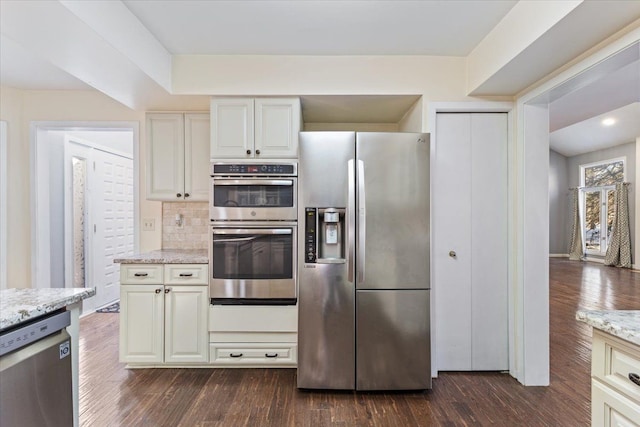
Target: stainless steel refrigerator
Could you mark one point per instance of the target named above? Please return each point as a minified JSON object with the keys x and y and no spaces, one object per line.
{"x":363,"y":268}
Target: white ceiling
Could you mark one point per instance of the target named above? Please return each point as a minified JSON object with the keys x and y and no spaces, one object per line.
{"x":266,"y":27}
{"x":450,"y":28}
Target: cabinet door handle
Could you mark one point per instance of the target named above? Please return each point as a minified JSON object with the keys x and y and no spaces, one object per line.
{"x":271,"y":355}
{"x":186,"y":195}
{"x":158,"y":291}
{"x":186,"y":274}
{"x":235,"y":355}
{"x":258,"y":152}
{"x":141,"y":274}
{"x":179,"y":195}
{"x":248,"y":151}
{"x":166,"y":291}
{"x":635,"y":378}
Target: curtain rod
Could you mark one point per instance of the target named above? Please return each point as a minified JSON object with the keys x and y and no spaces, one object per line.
{"x":580,"y":188}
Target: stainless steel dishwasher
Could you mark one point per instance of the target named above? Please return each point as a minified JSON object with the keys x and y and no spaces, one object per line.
{"x":35,"y":373}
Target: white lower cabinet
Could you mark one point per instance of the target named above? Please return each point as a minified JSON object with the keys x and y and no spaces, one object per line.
{"x":160,"y":322}
{"x":615,"y":398}
{"x":253,"y":336}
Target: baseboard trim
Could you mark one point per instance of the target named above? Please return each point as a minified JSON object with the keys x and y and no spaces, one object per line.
{"x":558,"y":255}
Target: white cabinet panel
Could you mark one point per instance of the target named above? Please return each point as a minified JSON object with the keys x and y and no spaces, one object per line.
{"x":178,"y":159}
{"x":164,"y":323}
{"x":196,"y":156}
{"x":141,"y":323}
{"x":232,"y":128}
{"x":165,"y":160}
{"x":186,"y":336}
{"x":277,"y":123}
{"x":470,"y":241}
{"x":254,"y":128}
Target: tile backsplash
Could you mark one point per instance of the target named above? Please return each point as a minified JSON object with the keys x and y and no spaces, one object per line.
{"x":193,"y":234}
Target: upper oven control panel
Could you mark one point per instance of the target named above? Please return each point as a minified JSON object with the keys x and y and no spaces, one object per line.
{"x":280,"y":169}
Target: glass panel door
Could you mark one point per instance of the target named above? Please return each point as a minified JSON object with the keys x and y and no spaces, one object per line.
{"x":592,"y":218}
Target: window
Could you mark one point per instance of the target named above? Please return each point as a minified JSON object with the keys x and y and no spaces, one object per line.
{"x":598,"y":182}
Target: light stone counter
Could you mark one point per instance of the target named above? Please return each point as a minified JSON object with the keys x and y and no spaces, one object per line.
{"x":167,"y":256}
{"x":21,"y":305}
{"x":624,"y":324}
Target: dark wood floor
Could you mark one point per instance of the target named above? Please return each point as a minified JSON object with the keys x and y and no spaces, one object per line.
{"x":113,"y":396}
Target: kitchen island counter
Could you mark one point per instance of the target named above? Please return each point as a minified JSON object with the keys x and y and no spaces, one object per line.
{"x":624,"y":324}
{"x":167,"y":256}
{"x":21,"y":305}
{"x":615,"y":366}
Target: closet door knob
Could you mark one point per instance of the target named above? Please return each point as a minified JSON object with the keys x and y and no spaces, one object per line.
{"x":248,"y":151}
{"x":179,"y":195}
{"x":258,"y":152}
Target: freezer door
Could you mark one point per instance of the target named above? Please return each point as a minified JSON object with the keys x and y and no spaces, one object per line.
{"x":393,"y":211}
{"x":326,"y":302}
{"x":393,"y":340}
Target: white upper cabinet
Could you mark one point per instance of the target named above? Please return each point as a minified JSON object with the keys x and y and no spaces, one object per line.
{"x":178,"y":160}
{"x":245,"y":128}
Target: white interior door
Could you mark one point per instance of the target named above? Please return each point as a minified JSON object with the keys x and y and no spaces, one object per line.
{"x":113,"y":220}
{"x":470,"y":241}
{"x":98,"y":219}
{"x":451,"y":209}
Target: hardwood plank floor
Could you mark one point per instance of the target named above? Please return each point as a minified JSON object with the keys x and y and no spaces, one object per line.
{"x":111,"y":395}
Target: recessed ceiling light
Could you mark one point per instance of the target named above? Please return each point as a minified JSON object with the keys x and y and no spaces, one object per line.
{"x":609,"y":121}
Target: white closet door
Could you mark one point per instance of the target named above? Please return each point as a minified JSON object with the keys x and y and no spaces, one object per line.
{"x":470,"y":219}
{"x":113,"y":221}
{"x":489,"y":304}
{"x":451,"y":210}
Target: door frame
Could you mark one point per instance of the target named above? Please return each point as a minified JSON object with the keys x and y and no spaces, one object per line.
{"x":40,"y":232}
{"x":478,"y":107}
{"x":532,"y":175}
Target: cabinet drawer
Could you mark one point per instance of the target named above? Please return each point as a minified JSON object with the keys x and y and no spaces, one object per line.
{"x":186,"y":274}
{"x":139,"y":274}
{"x":609,"y":408}
{"x":613,"y":361}
{"x":253,"y":354}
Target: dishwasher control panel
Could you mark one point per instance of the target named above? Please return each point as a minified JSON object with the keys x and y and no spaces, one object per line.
{"x":34,"y":331}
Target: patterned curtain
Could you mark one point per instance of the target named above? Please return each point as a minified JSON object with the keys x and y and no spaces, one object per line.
{"x":576,"y":252}
{"x":619,"y":250}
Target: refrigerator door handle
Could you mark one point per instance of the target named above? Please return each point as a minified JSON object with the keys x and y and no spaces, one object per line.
{"x":362,"y":222}
{"x":351,"y":217}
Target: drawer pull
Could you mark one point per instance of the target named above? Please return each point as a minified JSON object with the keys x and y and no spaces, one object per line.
{"x":141,"y":274}
{"x":235,"y":355}
{"x":635,"y":378}
{"x":186,"y":274}
{"x":271,"y":355}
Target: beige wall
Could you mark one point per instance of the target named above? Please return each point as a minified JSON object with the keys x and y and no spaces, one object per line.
{"x":435,"y":78}
{"x":20,"y":108}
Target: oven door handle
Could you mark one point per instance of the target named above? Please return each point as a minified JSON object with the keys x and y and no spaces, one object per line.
{"x":252,"y":231}
{"x":280,"y":182}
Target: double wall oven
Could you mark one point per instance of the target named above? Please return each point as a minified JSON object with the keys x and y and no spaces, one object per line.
{"x":253,"y":236}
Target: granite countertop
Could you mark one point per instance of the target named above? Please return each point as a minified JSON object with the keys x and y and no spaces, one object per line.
{"x":167,"y":256}
{"x":624,"y":324}
{"x":20,"y":305}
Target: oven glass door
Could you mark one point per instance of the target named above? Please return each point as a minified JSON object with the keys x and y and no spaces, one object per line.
{"x":239,"y":199}
{"x":253,"y":263}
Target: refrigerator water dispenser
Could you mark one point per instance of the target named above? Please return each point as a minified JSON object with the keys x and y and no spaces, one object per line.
{"x":324,"y":230}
